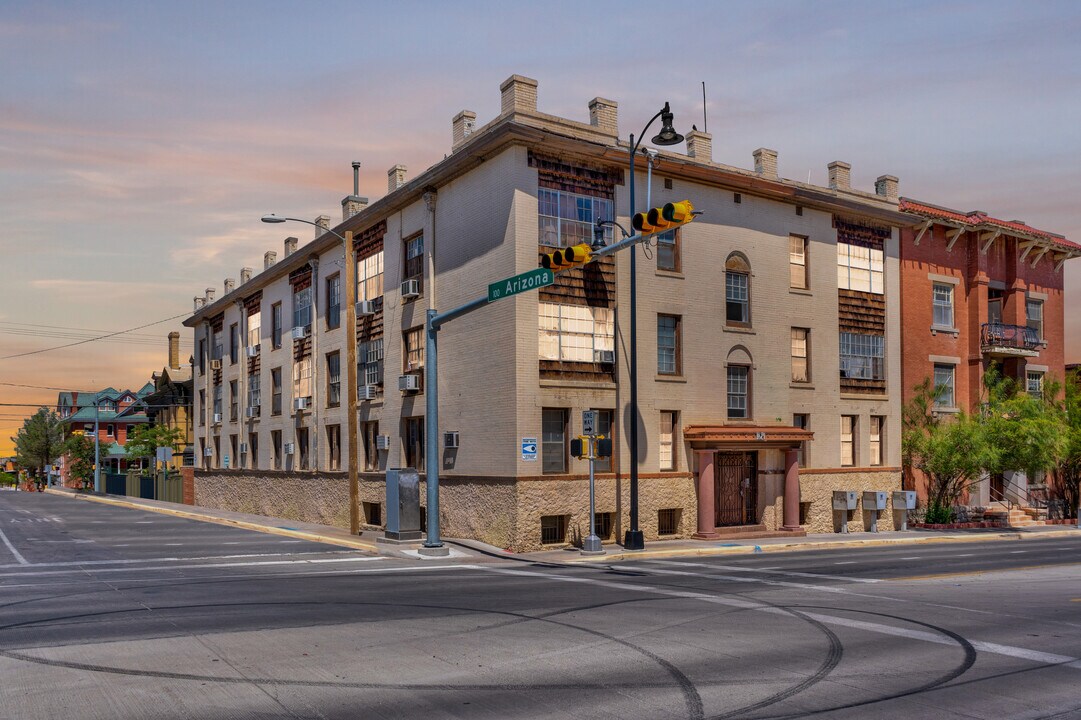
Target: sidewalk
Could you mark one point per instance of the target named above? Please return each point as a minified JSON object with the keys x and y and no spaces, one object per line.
{"x":366,"y":541}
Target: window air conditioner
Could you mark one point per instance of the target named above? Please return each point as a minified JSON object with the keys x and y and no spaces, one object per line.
{"x":215,"y":364}
{"x":365,"y":308}
{"x":289,"y":448}
{"x":409,"y":382}
{"x":208,"y":452}
{"x":410,"y":289}
{"x":450,"y":440}
{"x":252,"y":412}
{"x":368,"y":392}
{"x":604,"y":356}
{"x":382,"y":442}
{"x":243,"y":448}
{"x":217,"y":418}
{"x":300,"y":403}
{"x":301,"y":331}
{"x":253,"y":351}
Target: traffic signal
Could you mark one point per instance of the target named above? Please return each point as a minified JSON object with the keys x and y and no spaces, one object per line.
{"x":580,"y":447}
{"x":567,"y":258}
{"x":661,"y":219}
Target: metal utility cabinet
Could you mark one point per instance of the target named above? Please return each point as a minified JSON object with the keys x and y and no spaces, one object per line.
{"x":403,"y":504}
{"x":844,"y":502}
{"x":874,"y":502}
{"x":903,"y":501}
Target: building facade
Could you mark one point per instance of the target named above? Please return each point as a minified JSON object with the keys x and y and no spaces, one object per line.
{"x":979,"y":292}
{"x":769,"y":344}
{"x":170,"y":405}
{"x":115,"y":412}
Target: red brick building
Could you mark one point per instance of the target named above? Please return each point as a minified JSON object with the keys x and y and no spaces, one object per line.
{"x":977,"y":291}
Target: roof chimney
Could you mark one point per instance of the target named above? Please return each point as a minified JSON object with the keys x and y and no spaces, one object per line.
{"x":230,"y":284}
{"x":519,"y":94}
{"x":210,"y":292}
{"x":604,"y":115}
{"x":765,"y":162}
{"x":886,"y":186}
{"x":840,"y":175}
{"x":700,"y":145}
{"x":269,"y":258}
{"x":395,"y":178}
{"x":174,"y":350}
{"x":352,"y":204}
{"x":322,"y":225}
{"x":461,"y":127}
{"x":245,"y":275}
{"x":199,"y":302}
{"x":290,"y":246}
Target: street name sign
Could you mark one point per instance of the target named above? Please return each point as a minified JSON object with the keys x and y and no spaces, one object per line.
{"x":520,"y":283}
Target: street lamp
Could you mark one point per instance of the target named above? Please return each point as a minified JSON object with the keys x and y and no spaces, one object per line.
{"x":350,"y":361}
{"x":633,"y":539}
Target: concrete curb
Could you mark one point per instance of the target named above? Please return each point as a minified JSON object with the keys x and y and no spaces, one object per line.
{"x":243,"y":524}
{"x":793,"y":547}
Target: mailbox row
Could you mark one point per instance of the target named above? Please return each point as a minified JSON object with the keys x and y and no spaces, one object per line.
{"x":874,"y":500}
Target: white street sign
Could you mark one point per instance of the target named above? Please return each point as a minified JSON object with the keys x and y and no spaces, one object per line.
{"x":589,"y":422}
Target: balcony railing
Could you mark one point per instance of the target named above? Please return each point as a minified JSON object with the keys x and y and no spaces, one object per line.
{"x":1009,"y":339}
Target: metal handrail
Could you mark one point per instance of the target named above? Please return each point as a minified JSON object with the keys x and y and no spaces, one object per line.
{"x":1023,"y":492}
{"x":997,"y":334}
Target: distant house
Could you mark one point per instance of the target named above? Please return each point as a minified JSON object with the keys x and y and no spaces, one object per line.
{"x":115,"y":412}
{"x":169,"y":405}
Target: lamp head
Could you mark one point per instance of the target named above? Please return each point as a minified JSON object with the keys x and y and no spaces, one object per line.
{"x":272,"y":219}
{"x":668,"y":134}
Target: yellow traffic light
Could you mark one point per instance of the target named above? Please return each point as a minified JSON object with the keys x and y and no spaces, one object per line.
{"x":567,"y":258}
{"x":660,"y":219}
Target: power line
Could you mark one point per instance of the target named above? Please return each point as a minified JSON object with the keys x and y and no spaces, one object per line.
{"x":102,"y":337}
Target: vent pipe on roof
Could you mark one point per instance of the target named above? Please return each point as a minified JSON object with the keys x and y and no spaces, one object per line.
{"x":353,"y":204}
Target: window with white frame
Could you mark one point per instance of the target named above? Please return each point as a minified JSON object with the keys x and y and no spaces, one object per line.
{"x":302,"y":378}
{"x":737,"y":297}
{"x":860,"y":268}
{"x":666,"y":446}
{"x":414,"y":259}
{"x":255,"y":393}
{"x":801,"y":355}
{"x":255,"y":328}
{"x":848,"y":440}
{"x":575,"y":333}
{"x":862,"y":356}
{"x":302,"y":307}
{"x":334,"y":379}
{"x":944,"y":385}
{"x":334,"y":301}
{"x":878,"y":422}
{"x":1034,"y":316}
{"x":668,"y":345}
{"x":566,"y":218}
{"x":738,"y":391}
{"x":942,"y":303}
{"x":414,"y":348}
{"x":370,"y":277}
{"x":797,"y":262}
{"x":370,"y":362}
{"x":553,"y":440}
{"x":1034,"y":383}
{"x":217,"y":399}
{"x":668,"y":250}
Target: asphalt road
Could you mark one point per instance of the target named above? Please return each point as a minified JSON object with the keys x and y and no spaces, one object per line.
{"x":107,"y":612}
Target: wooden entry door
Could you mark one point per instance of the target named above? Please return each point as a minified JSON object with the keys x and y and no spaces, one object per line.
{"x":736,"y":489}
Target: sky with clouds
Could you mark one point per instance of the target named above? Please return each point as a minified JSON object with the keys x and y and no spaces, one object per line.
{"x":140,"y":142}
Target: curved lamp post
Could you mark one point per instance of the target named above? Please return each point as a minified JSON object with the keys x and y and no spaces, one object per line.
{"x":350,"y":362}
{"x":633,"y":538}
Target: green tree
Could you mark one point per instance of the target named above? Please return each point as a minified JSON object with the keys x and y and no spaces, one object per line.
{"x":948,"y":449}
{"x":1069,"y":470}
{"x":39,"y":441}
{"x":144,"y":440}
{"x":80,"y":451}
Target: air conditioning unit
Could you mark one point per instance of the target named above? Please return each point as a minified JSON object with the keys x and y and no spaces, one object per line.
{"x":252,"y":412}
{"x":450,"y":440}
{"x":382,"y":442}
{"x":604,"y":356}
{"x":217,"y":418}
{"x":208,"y":452}
{"x":410,"y":289}
{"x":289,"y":448}
{"x":409,"y":382}
{"x":301,"y":403}
{"x":301,"y":331}
{"x":368,"y":392}
{"x":215,"y":364}
{"x":243,"y":448}
{"x":365,"y":308}
{"x":253,"y":351}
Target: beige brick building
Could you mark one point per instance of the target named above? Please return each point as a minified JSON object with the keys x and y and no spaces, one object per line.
{"x":741,"y":315}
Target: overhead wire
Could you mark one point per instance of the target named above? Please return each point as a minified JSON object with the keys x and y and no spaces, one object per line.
{"x":93,"y":339}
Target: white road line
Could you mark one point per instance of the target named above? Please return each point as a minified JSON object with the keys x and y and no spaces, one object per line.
{"x":846,"y":562}
{"x":965,"y":555}
{"x":914,"y":557}
{"x":769,"y":570}
{"x":173,"y":544}
{"x":18,"y":556}
{"x":992,"y":648}
{"x":144,"y":522}
{"x":135,"y":561}
{"x":1018,"y":552}
{"x":261,"y":563}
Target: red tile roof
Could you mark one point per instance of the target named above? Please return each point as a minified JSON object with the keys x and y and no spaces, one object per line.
{"x":978,"y":217}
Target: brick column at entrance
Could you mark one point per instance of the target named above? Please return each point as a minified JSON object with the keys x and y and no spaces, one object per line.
{"x":791,"y":490}
{"x":707,"y":519}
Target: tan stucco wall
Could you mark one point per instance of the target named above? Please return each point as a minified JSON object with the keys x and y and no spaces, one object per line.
{"x":817,"y":489}
{"x":304,"y":497}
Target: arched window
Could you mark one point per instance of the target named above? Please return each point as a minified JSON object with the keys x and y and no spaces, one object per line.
{"x":738,"y":371}
{"x":737,"y":290}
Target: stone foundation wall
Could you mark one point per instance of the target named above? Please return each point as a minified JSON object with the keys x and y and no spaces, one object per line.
{"x":816,"y":495}
{"x":306,"y":497}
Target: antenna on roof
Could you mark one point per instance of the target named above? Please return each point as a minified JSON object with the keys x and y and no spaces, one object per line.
{"x":705,"y":124}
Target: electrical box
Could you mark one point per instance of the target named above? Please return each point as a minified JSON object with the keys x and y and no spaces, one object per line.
{"x":403,"y":505}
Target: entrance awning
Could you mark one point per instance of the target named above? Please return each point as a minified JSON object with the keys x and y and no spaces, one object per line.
{"x":746,"y":436}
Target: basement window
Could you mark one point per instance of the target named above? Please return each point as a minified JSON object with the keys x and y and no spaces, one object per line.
{"x":553,"y":529}
{"x":668,"y":521}
{"x":373,"y":513}
{"x":604,"y":524}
